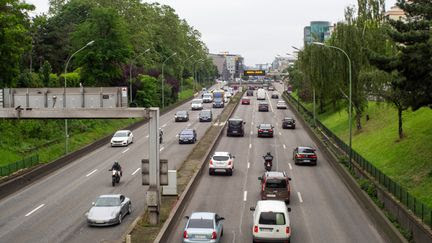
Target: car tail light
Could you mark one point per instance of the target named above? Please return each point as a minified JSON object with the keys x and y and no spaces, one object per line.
{"x":299,"y":155}
{"x":287,"y":230}
{"x":214,"y":235}
{"x":256,"y":229}
{"x":313,"y":156}
{"x":185,"y":235}
{"x":270,"y":130}
{"x":229,"y":162}
{"x":211,"y":162}
{"x":260,"y":130}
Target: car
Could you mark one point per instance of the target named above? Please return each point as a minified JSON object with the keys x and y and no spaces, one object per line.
{"x":249,"y":93}
{"x":221,"y":162}
{"x":288,"y":122}
{"x":271,"y":88}
{"x":275,"y":95}
{"x":207,"y":98}
{"x":181,"y":116}
{"x":218,"y":103}
{"x":265,"y":130}
{"x":203,"y":227}
{"x":261,"y":94}
{"x":203,"y":90}
{"x":245,"y":101}
{"x":281,"y":104}
{"x":122,"y":138}
{"x":271,"y":222}
{"x":109,"y":210}
{"x":187,"y":135}
{"x":205,"y":116}
{"x":235,"y":127}
{"x":305,"y":155}
{"x":263,"y":106}
{"x":275,"y":186}
{"x":197,"y":104}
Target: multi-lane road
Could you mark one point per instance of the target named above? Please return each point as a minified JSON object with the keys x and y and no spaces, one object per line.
{"x":53,"y":209}
{"x":323,"y":209}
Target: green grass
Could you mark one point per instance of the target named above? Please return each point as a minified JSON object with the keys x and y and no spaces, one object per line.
{"x":407,"y":161}
{"x":186,"y":94}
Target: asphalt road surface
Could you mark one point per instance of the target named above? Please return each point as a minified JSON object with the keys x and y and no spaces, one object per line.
{"x":323,"y":209}
{"x":53,"y":209}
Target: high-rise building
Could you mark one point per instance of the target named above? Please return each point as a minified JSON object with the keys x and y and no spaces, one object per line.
{"x":318,"y":31}
{"x":230,"y":66}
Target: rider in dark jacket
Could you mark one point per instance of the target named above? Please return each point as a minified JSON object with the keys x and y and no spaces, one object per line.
{"x":116,"y":166}
{"x":268,"y":157}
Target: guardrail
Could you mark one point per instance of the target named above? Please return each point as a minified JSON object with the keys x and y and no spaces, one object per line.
{"x":18,"y":165}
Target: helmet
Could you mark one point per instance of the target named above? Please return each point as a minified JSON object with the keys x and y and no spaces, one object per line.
{"x":268,"y":153}
{"x":116,"y":162}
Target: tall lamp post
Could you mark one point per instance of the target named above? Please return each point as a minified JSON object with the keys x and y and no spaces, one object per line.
{"x":130,"y":74}
{"x":181,"y":78}
{"x":64,"y":93}
{"x":163,"y":79}
{"x":194,"y":70}
{"x":350,"y":94}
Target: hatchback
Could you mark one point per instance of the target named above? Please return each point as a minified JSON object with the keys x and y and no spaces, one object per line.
{"x":304,"y":155}
{"x":265,"y":130}
{"x":249,"y":93}
{"x":263,"y":106}
{"x":203,"y":227}
{"x":288,"y":122}
{"x":205,"y":116}
{"x":221,"y":162}
{"x":281,"y":104}
{"x":181,"y":116}
{"x":275,"y":186}
{"x":187,"y":136}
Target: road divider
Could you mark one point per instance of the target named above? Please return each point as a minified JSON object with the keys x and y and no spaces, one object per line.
{"x":34,"y":210}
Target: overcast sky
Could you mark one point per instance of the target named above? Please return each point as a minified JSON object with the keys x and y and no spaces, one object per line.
{"x":256,"y":29}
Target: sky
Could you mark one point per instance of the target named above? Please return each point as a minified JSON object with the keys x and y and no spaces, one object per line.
{"x":256,"y":29}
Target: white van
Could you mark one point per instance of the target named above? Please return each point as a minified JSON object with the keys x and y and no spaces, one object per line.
{"x":271,"y":221}
{"x":261,"y":94}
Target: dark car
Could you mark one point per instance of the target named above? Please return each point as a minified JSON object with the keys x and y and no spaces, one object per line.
{"x":263,"y":106}
{"x":218,"y":103}
{"x":181,"y":116}
{"x":304,"y":155}
{"x":275,"y":95}
{"x":265,"y":130}
{"x":275,"y":186}
{"x":245,"y":101}
{"x":288,"y":122}
{"x":187,"y":136}
{"x":235,"y":127}
{"x":249,"y":93}
{"x":205,"y":116}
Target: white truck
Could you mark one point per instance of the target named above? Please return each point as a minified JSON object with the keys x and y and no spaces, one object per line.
{"x":261,"y":94}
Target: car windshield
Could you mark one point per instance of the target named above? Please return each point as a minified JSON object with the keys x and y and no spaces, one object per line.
{"x":265,"y":126}
{"x":205,"y":113}
{"x":272,"y":218}
{"x":201,"y":224}
{"x":120,"y":134}
{"x":196,"y":102}
{"x":306,"y":150}
{"x":288,"y":119}
{"x":107,"y":202}
{"x":281,"y":102}
{"x":207,"y":96}
{"x":186,"y":133}
{"x":264,"y":104}
{"x":181,"y":113}
{"x":276,"y":183}
{"x":235,"y":123}
{"x":220,"y":158}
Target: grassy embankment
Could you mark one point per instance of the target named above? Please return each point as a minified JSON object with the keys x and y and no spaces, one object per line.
{"x":407,"y":161}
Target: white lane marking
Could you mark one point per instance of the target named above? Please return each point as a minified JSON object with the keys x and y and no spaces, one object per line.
{"x":284,"y":146}
{"x":222,"y":124}
{"x":136,"y":171}
{"x":245,"y":196}
{"x":252,"y":122}
{"x":300,"y":197}
{"x":248,"y":165}
{"x":177,"y":136}
{"x":125,"y":150}
{"x":290,"y":166}
{"x":251,"y":133}
{"x":34,"y":210}
{"x":271,"y":107}
{"x":164,"y":125}
{"x":89,"y":174}
{"x":250,"y":146}
{"x":161,"y":148}
{"x":147,"y":136}
{"x":188,"y":125}
{"x":280,"y":134}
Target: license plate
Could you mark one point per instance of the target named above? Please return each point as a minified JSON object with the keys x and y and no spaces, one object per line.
{"x":271,"y":195}
{"x":266,"y":230}
{"x":306,"y":160}
{"x":200,"y":237}
{"x":234,"y":131}
{"x":99,"y":221}
{"x":220,"y":170}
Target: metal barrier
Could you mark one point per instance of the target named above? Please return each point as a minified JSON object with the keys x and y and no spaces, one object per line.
{"x":421,"y":210}
{"x":21,"y":164}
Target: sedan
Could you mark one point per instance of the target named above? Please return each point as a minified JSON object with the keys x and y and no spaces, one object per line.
{"x":265,"y":130}
{"x":245,"y":101}
{"x":122,"y":138}
{"x":205,"y":116}
{"x":288,"y":122}
{"x":281,"y":104}
{"x":109,"y":210}
{"x":181,"y":116}
{"x":187,"y":136}
{"x":203,"y":227}
{"x":275,"y":95}
{"x":305,"y":155}
{"x":221,"y":162}
{"x":263,"y":106}
{"x":249,"y":93}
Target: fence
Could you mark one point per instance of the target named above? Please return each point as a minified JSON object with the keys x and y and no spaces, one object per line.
{"x":22,"y":164}
{"x":418,"y":208}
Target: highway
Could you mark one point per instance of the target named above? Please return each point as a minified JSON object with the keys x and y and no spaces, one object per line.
{"x":323,"y":209}
{"x":53,"y":208}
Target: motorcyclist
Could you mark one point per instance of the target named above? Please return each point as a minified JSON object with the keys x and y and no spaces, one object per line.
{"x":268,"y":156}
{"x":116,"y":166}
{"x":160,"y":135}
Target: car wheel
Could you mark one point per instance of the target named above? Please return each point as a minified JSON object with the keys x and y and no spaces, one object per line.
{"x":210,"y":172}
{"x":119,"y":218}
{"x":230,"y":172}
{"x":287,"y":201}
{"x":129,"y":208}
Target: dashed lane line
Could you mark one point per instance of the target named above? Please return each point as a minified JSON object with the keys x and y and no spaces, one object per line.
{"x":245,"y":196}
{"x":300,"y":197}
{"x":290,"y":166}
{"x":34,"y":210}
{"x":89,"y":174}
{"x":133,"y":173}
{"x":125,"y":150}
{"x":284,"y":146}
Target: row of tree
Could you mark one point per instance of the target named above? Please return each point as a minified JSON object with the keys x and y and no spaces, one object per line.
{"x":130,"y":37}
{"x":391,"y":60}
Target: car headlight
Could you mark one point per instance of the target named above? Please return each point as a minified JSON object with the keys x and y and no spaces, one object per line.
{"x":113,"y":214}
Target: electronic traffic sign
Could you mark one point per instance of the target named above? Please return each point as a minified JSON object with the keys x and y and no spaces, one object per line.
{"x":254,"y":73}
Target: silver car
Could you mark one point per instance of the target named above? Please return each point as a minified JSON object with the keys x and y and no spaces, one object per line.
{"x":109,"y":210}
{"x":203,"y":227}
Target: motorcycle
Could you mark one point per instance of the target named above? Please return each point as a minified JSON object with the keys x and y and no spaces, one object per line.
{"x":268,"y":163}
{"x":115,"y":177}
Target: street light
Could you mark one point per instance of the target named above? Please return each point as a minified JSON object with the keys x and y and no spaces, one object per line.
{"x":181,"y":78}
{"x":194,"y":70}
{"x":64,"y":92}
{"x":163,"y":79}
{"x":350,"y":95}
{"x":130,"y":74}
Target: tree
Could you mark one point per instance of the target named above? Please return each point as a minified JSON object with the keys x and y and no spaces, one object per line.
{"x":45,"y":73}
{"x":14,"y":38}
{"x":147,"y":94}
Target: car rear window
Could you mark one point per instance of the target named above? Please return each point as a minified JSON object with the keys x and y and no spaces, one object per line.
{"x":265,"y":126}
{"x":276,"y":183}
{"x":205,"y":113}
{"x":220,"y":158}
{"x":272,"y":218}
{"x":201,"y":224}
{"x":306,"y":150}
{"x":187,"y":133}
{"x":235,"y":123}
{"x":181,"y":113}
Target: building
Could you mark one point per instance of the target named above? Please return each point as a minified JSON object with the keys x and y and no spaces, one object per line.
{"x":307,"y":35}
{"x":318,"y":31}
{"x":230,"y":66}
{"x":220,"y":62}
{"x":395,"y":13}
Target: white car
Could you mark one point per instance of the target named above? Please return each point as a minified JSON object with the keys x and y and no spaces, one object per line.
{"x":261,"y":94}
{"x":207,"y":98}
{"x":271,"y":222}
{"x":281,"y":104}
{"x":122,"y":138}
{"x":221,"y":162}
{"x":197,"y":104}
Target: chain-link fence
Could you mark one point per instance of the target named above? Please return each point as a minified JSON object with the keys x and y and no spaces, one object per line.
{"x":21,"y":164}
{"x":421,"y":210}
